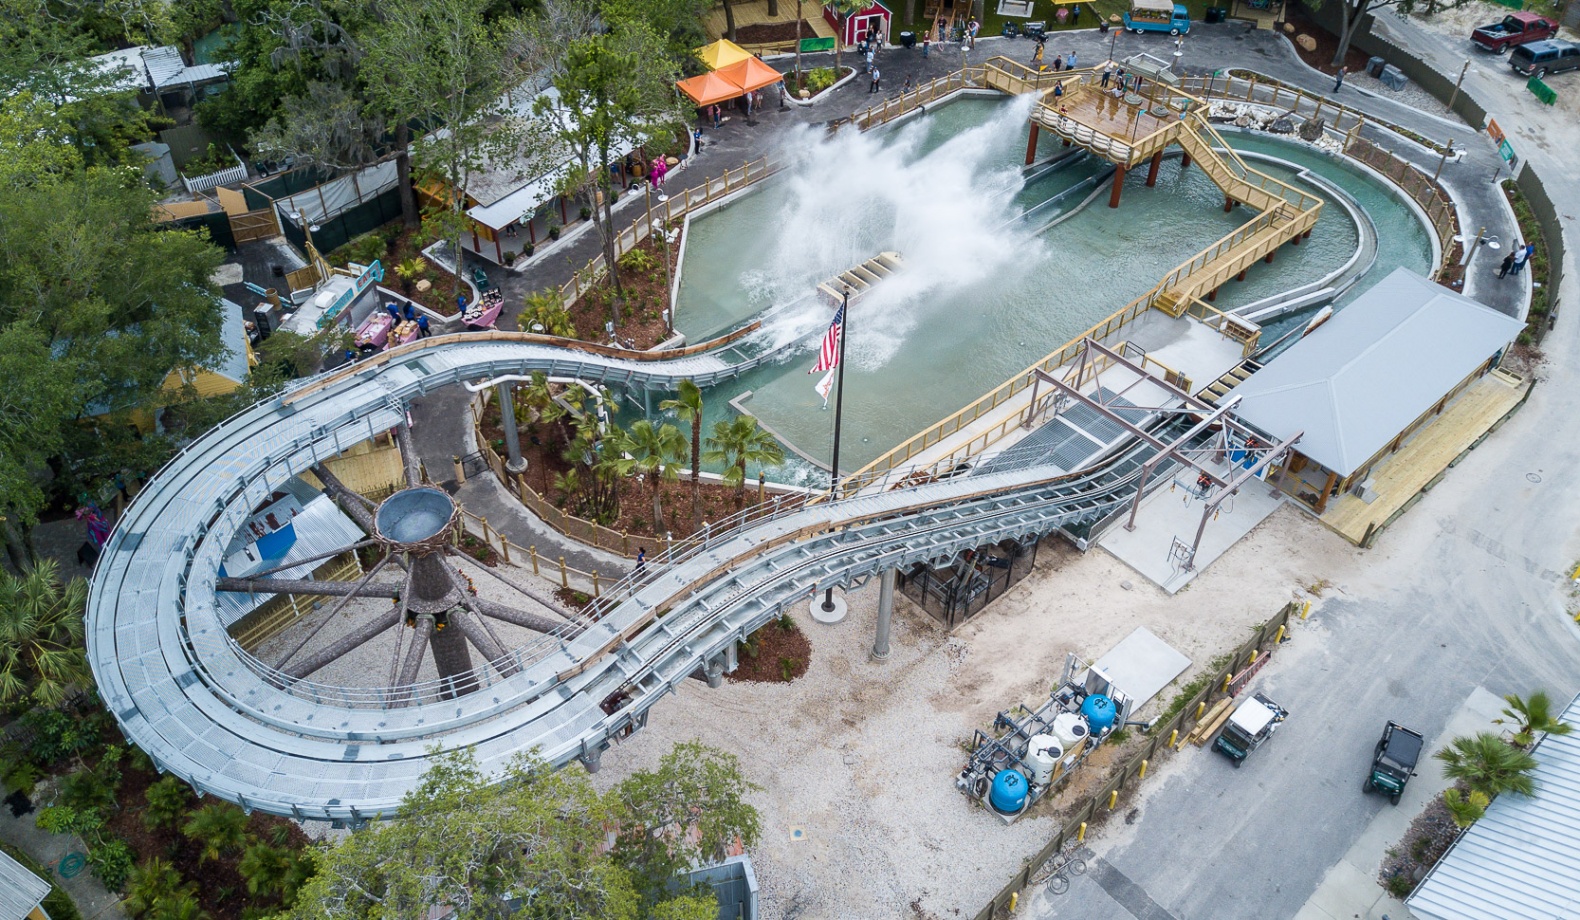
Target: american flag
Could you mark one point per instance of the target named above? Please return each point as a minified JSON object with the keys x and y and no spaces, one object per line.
{"x":828,"y":354}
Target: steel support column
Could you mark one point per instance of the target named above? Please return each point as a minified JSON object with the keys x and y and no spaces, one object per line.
{"x":880,"y":642}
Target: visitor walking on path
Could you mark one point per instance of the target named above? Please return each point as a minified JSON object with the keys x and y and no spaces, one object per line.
{"x":1108,"y":74}
{"x":927,"y":43}
{"x":877,"y":77}
{"x":1036,"y":56}
{"x":1069,"y":62}
{"x":870,"y":55}
{"x":1508,"y":265}
{"x":641,"y":559}
{"x":1338,"y":81}
{"x":1521,"y":256}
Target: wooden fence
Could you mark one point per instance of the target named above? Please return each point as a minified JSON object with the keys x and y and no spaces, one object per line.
{"x":895,"y":106}
{"x":1107,"y":799}
{"x":1421,"y":188}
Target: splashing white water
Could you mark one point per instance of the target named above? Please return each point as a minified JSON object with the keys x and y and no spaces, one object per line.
{"x":945,"y":211}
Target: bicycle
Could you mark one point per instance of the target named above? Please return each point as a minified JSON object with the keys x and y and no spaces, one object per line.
{"x":1056,"y":871}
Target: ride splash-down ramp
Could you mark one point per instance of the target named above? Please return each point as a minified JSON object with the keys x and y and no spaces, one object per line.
{"x":273,"y":739}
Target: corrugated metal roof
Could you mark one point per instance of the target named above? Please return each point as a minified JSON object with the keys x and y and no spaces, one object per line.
{"x":320,"y":527}
{"x":165,"y":67}
{"x":1521,"y":861}
{"x":20,"y":890}
{"x":1371,"y":370}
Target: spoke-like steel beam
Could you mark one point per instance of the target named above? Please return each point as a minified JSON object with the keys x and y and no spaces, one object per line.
{"x":354,"y":504}
{"x":315,"y":558}
{"x":531,"y":621}
{"x":308,"y":586}
{"x":408,"y":455}
{"x":345,"y":644}
{"x":544,"y":599}
{"x":333,"y":611}
{"x":414,"y":655}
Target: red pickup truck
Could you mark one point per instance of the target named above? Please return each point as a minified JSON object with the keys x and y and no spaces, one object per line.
{"x":1515,"y":29}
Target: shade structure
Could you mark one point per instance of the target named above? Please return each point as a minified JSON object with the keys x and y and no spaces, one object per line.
{"x":722,"y":53}
{"x":730,"y":82}
{"x":750,"y":74}
{"x":709,"y":89}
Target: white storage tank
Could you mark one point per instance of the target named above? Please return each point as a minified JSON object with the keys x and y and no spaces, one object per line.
{"x":1043,"y":753}
{"x":1070,"y":729}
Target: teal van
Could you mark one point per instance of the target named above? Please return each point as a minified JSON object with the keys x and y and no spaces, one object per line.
{"x":1157,"y":16}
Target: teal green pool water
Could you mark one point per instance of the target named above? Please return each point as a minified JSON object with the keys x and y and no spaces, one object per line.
{"x":983,"y":295}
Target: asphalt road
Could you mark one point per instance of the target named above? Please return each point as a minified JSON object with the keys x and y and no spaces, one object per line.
{"x":1467,"y":590}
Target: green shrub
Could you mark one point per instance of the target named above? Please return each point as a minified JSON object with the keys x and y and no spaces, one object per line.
{"x":787,"y":666}
{"x":1400,"y":886}
{"x":819,"y":79}
{"x":112,"y":862}
{"x":786,"y":623}
{"x":638,"y":260}
{"x":168,"y":801}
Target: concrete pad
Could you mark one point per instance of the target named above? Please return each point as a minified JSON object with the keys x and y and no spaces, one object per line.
{"x":828,"y":617}
{"x":1142,"y":664}
{"x":1173,"y":513}
{"x":1350,"y":888}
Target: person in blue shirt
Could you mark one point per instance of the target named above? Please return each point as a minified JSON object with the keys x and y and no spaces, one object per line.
{"x":394,"y":311}
{"x":422,"y":327}
{"x":410,"y":313}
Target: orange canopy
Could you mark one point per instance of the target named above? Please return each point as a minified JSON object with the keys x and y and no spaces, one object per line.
{"x":750,"y":74}
{"x":729,"y":82}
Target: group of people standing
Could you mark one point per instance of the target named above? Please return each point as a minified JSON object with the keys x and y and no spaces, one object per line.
{"x":1516,"y":259}
{"x":1060,"y":62}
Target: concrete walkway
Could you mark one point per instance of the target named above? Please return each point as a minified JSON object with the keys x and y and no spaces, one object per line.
{"x":87,"y":892}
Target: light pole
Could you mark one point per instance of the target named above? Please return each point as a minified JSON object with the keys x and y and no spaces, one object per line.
{"x":1447,"y":151}
{"x":1454,"y":96}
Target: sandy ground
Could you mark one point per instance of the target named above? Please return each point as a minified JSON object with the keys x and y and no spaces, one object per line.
{"x":1459,"y":23}
{"x":860,"y":756}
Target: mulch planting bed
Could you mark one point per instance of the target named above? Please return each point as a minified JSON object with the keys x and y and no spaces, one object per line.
{"x":635,"y":498}
{"x":1429,"y":837}
{"x":763,"y":33}
{"x":780,"y":651}
{"x":646,"y":294}
{"x":1321,"y":57}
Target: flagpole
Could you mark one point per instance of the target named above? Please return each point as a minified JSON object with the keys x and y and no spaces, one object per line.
{"x":839,"y":412}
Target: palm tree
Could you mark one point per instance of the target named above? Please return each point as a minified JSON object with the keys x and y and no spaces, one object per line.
{"x":265,"y":868}
{"x":41,"y":648}
{"x":181,"y":905}
{"x":1532,"y":716}
{"x":688,"y":408}
{"x":653,"y":450}
{"x":167,"y":802}
{"x":218,"y":828}
{"x":1465,"y":809}
{"x":1489,"y":765}
{"x":150,"y":883}
{"x":738,"y":442}
{"x":409,"y":271}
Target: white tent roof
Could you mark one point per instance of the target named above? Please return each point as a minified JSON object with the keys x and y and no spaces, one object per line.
{"x":1362,"y":377}
{"x":1521,"y":861}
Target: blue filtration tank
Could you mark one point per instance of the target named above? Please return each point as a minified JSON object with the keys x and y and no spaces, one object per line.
{"x":1099,"y":713}
{"x":1009,"y":791}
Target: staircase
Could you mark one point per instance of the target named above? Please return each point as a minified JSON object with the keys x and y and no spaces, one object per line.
{"x":1231,"y":378}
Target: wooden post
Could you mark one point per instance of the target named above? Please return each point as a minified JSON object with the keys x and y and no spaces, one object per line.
{"x":533,"y":552}
{"x":625,"y":543}
{"x":596,"y":591}
{"x":1119,"y":185}
{"x":486,"y":532}
{"x":1228,"y":204}
{"x":1240,"y":276}
{"x":1031,"y":143}
{"x":1152,"y":169}
{"x":565,"y":578}
{"x":1184,"y":158}
{"x":460,"y":474}
{"x":1269,"y":257}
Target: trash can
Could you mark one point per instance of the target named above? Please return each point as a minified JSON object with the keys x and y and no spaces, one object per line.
{"x":1375,"y":66}
{"x":908,"y":39}
{"x":1216,"y":14}
{"x":1393,"y":78}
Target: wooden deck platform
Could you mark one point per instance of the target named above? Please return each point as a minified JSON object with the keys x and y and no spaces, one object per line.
{"x":1427,"y":455}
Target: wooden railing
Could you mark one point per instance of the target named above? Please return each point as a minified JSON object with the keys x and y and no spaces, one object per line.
{"x":1340,"y":118}
{"x":1230,"y":326}
{"x":665,"y":212}
{"x":933,"y":90}
{"x":1422,"y":190}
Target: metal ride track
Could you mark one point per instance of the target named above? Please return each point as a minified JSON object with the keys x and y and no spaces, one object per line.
{"x":184,"y":691}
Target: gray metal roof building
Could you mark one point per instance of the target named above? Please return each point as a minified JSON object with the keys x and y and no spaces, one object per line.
{"x":1521,"y":861}
{"x":21,"y":892}
{"x":1366,"y":375}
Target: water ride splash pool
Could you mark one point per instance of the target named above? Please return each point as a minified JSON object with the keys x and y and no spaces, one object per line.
{"x":984,"y":293}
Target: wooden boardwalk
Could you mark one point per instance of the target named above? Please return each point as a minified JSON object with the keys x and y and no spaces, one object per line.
{"x":1427,"y":455}
{"x":755,"y":12}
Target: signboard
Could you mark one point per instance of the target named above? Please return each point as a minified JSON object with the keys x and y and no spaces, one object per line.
{"x":1493,"y":131}
{"x":370,"y":276}
{"x":817,"y":44}
{"x":1505,"y":149}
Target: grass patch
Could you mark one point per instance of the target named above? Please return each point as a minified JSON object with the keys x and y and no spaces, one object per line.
{"x":1189,"y":691}
{"x":1539,"y":264}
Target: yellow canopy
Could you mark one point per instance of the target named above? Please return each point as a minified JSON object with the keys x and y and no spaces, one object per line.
{"x":722,"y":53}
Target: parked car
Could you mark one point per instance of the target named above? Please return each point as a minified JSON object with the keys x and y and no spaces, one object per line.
{"x":1538,"y":59}
{"x":1514,"y":29}
{"x":1251,"y":724}
{"x":1157,"y":16}
{"x":1393,"y":761}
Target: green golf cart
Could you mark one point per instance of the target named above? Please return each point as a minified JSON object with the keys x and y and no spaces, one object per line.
{"x":1393,"y":761}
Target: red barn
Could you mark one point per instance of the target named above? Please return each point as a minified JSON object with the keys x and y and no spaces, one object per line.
{"x":875,"y":16}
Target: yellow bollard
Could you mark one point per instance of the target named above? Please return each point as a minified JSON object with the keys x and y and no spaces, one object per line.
{"x":1014,"y":900}
{"x":1200,"y":708}
{"x":1080,"y":833}
{"x":1173,"y":737}
{"x":1254,"y":653}
{"x":1142,"y":773}
{"x":1113,"y":799}
{"x":1278,"y":636}
{"x":1306,"y":610}
{"x":1226,"y":679}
